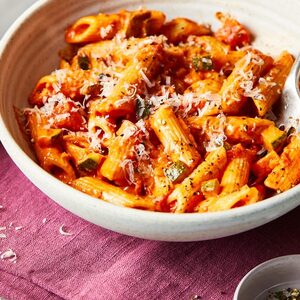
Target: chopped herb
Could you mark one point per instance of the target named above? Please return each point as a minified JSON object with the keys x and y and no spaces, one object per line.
{"x":176,"y":171}
{"x":83,"y":62}
{"x":286,"y":294}
{"x":142,"y":108}
{"x":90,"y":163}
{"x":203,"y":63}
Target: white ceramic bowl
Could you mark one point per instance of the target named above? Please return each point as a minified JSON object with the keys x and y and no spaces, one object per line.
{"x":29,"y":51}
{"x":271,"y":276}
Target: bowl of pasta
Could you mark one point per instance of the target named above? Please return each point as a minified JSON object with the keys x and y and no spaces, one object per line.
{"x":154,"y":121}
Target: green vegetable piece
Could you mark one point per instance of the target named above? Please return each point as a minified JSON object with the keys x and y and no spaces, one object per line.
{"x":209,"y":186}
{"x":142,"y":109}
{"x":204,"y":63}
{"x":90,"y":162}
{"x":279,"y":141}
{"x":176,"y":171}
{"x":83,"y":62}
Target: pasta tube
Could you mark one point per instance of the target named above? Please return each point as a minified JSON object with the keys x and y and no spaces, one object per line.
{"x":264,"y":166}
{"x":211,"y":168}
{"x":50,"y":156}
{"x":244,"y":196}
{"x":175,"y":136}
{"x":237,"y":129}
{"x":237,"y":172}
{"x":112,"y":194}
{"x":287,"y":173}
{"x":238,"y":86}
{"x":139,"y":71}
{"x":179,"y":29}
{"x":270,"y":86}
{"x":93,"y":29}
{"x":119,"y":164}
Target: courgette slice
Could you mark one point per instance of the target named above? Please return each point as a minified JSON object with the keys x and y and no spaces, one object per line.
{"x":273,"y":138}
{"x":176,"y":172}
{"x":90,"y":162}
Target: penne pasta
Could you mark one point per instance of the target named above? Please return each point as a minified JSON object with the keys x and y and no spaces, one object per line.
{"x":237,"y":171}
{"x":264,"y":166}
{"x":112,"y":194}
{"x":243,"y":129}
{"x":244,"y":196}
{"x":270,"y":86}
{"x":167,"y":116}
{"x":179,"y":29}
{"x":49,"y":155}
{"x":119,"y":164}
{"x":93,"y":29}
{"x":211,"y":168}
{"x":287,"y":173}
{"x":139,"y":71}
{"x":238,"y":86}
{"x":175,"y":136}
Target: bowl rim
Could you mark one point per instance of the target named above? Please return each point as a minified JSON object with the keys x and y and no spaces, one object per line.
{"x":20,"y":158}
{"x":260,"y":266}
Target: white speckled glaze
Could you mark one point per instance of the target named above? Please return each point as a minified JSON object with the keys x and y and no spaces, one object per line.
{"x":29,"y":51}
{"x":273,"y":275}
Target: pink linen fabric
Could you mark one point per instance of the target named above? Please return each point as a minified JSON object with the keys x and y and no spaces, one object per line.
{"x":94,"y":263}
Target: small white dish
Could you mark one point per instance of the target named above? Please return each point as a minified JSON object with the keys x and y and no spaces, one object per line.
{"x":271,"y":276}
{"x":29,"y":50}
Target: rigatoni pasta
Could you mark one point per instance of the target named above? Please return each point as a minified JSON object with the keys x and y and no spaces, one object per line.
{"x":164,"y":115}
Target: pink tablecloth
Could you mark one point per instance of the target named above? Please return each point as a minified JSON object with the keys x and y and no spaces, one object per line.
{"x":94,"y":263}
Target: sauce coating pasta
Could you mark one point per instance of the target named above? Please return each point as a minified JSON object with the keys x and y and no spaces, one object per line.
{"x":164,"y":115}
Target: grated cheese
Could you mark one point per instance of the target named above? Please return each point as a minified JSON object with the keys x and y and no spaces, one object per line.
{"x":63,"y":232}
{"x":146,"y":79}
{"x":108,"y":83}
{"x":9,"y":255}
{"x":168,"y":80}
{"x":104,"y":31}
{"x":128,"y":168}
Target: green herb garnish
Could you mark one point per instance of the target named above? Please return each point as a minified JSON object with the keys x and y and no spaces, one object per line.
{"x":142,"y":108}
{"x":176,"y":171}
{"x":83,"y":62}
{"x":287,"y":294}
{"x":90,"y":163}
{"x":202,"y":63}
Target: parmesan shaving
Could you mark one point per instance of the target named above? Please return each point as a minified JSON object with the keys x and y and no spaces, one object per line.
{"x":9,"y":255}
{"x":146,"y":79}
{"x":104,"y":31}
{"x":127,"y":166}
{"x":63,"y":232}
{"x":168,"y":80}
